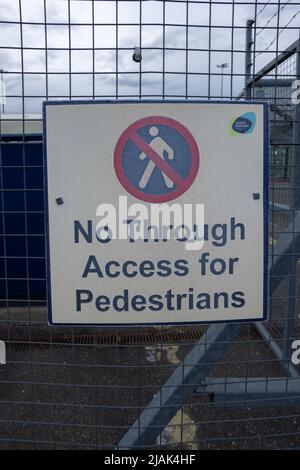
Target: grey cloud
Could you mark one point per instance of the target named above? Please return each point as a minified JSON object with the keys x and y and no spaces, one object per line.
{"x":152,"y":37}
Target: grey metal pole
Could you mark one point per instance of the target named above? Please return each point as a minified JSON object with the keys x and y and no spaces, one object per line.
{"x":248,"y":62}
{"x":296,"y":141}
{"x":222,"y":67}
{"x":295,"y":206}
{"x":2,"y":91}
{"x":222,"y":82}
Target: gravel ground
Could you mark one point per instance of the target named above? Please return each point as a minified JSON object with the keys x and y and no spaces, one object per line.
{"x":71,"y":397}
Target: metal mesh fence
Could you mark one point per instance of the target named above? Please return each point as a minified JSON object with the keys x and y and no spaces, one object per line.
{"x":66,"y":387}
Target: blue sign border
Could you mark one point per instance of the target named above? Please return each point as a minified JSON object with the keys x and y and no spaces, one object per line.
{"x":266,"y":136}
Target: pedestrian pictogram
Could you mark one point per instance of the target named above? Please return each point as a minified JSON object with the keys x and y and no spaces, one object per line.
{"x":156,"y":159}
{"x":160,"y":146}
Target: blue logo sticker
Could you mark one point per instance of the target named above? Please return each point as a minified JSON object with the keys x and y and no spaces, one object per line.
{"x":243,"y":124}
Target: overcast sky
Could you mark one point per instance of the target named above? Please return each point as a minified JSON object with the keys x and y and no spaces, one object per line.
{"x":178,"y":14}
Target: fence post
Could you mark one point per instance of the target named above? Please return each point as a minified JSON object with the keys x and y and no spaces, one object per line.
{"x":295,"y":206}
{"x":248,"y":62}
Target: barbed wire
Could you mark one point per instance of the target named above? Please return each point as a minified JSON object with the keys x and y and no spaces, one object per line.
{"x":279,"y":33}
{"x":272,"y":17}
{"x":263,"y":8}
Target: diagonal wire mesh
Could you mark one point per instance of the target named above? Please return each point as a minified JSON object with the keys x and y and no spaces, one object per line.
{"x":66,"y":387}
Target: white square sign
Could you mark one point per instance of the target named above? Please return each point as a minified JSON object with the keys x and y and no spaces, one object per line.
{"x":156,"y":212}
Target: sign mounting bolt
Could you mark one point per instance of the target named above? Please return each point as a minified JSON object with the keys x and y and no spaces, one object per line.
{"x":256,"y":196}
{"x":59,"y":201}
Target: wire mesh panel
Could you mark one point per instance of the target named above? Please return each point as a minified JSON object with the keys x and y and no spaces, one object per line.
{"x":70,"y":387}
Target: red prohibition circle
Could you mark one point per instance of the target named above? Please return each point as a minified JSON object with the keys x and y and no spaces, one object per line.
{"x":130,"y":132}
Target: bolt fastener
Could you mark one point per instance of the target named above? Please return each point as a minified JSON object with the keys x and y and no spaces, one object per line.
{"x":137,"y":55}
